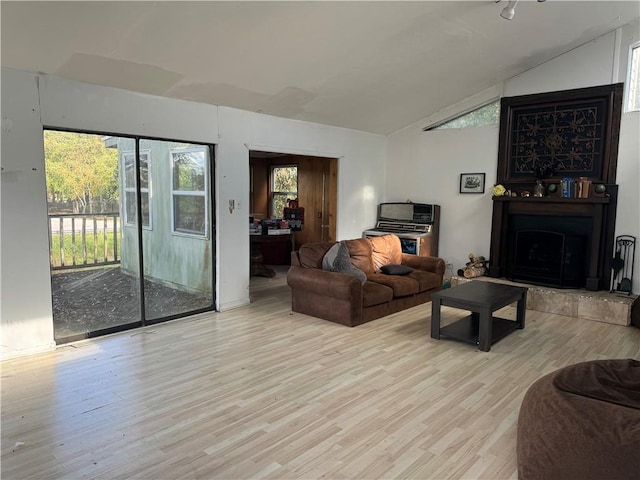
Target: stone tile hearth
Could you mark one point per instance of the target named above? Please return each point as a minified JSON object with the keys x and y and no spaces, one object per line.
{"x":601,"y":306}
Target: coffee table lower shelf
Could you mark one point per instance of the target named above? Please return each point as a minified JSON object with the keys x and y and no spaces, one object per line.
{"x":467,"y":329}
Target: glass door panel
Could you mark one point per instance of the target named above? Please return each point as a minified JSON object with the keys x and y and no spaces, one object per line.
{"x":177,"y":243}
{"x":94,"y":264}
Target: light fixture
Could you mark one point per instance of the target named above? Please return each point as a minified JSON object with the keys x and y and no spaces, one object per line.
{"x":510,"y":10}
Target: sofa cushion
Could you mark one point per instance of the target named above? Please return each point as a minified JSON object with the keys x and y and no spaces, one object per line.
{"x":337,"y":259}
{"x":311,"y":254}
{"x":385,"y":250}
{"x":426,"y":280}
{"x":402,"y":285}
{"x":375,"y":294}
{"x":360,"y":252}
{"x":396,"y":269}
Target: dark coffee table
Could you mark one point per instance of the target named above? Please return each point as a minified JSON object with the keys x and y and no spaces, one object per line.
{"x":481,"y":299}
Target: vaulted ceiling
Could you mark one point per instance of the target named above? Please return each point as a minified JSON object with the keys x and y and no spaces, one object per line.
{"x":372,"y":66}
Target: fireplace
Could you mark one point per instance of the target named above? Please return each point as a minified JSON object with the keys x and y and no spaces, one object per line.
{"x":557,"y":137}
{"x":583,"y":227}
{"x":547,"y":258}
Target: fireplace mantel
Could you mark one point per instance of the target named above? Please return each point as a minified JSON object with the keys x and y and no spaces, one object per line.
{"x":600,"y":210}
{"x":554,"y":200}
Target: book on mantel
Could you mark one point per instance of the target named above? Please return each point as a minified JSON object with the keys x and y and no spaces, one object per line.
{"x":278,"y":231}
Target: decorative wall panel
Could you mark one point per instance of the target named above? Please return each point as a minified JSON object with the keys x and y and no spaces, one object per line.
{"x":572,"y":133}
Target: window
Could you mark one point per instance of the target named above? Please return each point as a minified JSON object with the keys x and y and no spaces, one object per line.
{"x":633,"y":104}
{"x":130,"y":188}
{"x":485,"y":115}
{"x":189,"y":191}
{"x":284,"y":186}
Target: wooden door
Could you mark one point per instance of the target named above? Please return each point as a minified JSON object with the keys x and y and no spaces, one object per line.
{"x":317,"y":194}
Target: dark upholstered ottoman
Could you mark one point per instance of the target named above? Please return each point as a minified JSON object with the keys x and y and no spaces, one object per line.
{"x":582,"y":422}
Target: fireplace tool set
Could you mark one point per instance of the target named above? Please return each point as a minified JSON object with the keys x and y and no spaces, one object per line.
{"x":622,"y":264}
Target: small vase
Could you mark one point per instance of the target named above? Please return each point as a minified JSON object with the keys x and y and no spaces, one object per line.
{"x":538,"y":190}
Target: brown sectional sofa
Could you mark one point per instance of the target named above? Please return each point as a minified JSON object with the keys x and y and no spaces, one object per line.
{"x":343,"y":298}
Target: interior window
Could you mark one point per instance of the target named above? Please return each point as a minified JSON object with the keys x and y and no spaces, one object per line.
{"x":485,"y":115}
{"x":284,"y":186}
{"x":633,"y":104}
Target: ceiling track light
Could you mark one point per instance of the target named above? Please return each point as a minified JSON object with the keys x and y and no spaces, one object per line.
{"x":510,"y":10}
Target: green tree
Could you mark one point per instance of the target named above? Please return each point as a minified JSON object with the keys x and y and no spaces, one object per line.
{"x":80,"y":169}
{"x":285,"y":187}
{"x":486,"y":115}
{"x":285,"y":179}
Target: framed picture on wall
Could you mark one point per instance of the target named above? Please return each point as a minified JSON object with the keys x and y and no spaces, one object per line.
{"x":472,"y":183}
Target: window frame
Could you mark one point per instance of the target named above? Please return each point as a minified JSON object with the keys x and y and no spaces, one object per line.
{"x":190,"y":193}
{"x":441,"y":124}
{"x":132,"y":189}
{"x":273,"y":192}
{"x":632,"y":103}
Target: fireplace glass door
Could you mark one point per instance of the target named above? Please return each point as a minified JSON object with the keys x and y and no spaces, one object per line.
{"x":548,"y":258}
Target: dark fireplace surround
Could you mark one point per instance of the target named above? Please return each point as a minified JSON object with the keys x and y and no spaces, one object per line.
{"x":548,"y":250}
{"x":581,"y":228}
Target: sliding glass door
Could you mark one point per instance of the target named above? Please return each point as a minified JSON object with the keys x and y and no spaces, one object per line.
{"x":131,"y":224}
{"x":177,"y":247}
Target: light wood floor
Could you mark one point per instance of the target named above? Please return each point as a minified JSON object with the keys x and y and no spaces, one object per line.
{"x":261,"y":392}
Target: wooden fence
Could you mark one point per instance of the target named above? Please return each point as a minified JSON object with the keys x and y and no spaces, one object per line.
{"x":84,"y":240}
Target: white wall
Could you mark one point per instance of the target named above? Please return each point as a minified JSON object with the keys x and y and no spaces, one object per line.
{"x":31,"y":101}
{"x":25,"y":298}
{"x":362,"y":158}
{"x":426,"y":166}
{"x":628,"y":177}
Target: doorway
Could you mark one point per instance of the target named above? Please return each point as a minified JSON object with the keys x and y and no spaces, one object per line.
{"x":317,"y":191}
{"x":130,"y":231}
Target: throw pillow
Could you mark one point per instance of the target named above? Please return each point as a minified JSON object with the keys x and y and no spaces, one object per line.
{"x":337,"y":260}
{"x":385,"y":250}
{"x":396,"y":269}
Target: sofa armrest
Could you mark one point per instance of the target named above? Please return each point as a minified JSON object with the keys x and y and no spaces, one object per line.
{"x":428,"y":264}
{"x":330,"y":284}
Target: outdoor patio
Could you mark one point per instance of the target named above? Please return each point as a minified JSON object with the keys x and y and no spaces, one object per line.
{"x":100,"y":298}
